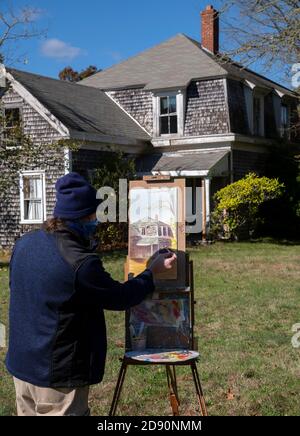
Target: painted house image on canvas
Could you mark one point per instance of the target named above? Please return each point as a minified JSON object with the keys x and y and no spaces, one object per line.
{"x":152,"y":221}
{"x":146,"y":238}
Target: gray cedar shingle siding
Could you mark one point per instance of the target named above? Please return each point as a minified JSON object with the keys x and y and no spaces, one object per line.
{"x":138,"y":104}
{"x":206,"y":110}
{"x":83,"y":161}
{"x":40,"y":132}
{"x":245,"y":162}
{"x":237,"y":107}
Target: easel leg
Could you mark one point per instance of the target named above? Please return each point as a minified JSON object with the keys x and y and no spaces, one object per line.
{"x":173,"y":392}
{"x":118,"y":389}
{"x":199,"y":391}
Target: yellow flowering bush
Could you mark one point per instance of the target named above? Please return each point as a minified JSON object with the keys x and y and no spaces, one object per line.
{"x":237,"y":205}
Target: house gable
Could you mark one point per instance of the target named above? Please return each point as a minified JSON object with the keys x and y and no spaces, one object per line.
{"x":41,"y":132}
{"x":31,"y":100}
{"x":36,"y":126}
{"x":85,"y":112}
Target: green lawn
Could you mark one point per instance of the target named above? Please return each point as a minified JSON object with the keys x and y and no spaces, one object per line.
{"x":248,"y":299}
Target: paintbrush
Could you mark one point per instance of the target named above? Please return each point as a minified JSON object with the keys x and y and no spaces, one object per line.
{"x":141,"y":329}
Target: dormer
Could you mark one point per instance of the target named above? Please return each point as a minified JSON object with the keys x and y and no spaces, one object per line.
{"x":168,"y":113}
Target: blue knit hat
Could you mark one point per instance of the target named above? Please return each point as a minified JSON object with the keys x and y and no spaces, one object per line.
{"x":75,"y":197}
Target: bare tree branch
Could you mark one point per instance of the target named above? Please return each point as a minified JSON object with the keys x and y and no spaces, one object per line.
{"x":16,"y":25}
{"x":265,"y":30}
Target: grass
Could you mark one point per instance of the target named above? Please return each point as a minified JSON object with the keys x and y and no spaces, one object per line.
{"x":248,"y":297}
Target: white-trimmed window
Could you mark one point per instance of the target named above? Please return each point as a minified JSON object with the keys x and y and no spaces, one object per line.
{"x":32,"y":197}
{"x":285,"y":120}
{"x":168,"y":108}
{"x":255,"y":104}
{"x":168,"y":118}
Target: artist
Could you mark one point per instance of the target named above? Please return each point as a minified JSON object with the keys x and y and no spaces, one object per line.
{"x":59,"y":289}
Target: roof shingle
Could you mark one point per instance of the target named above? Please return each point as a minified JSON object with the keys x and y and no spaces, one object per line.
{"x":173,"y":64}
{"x":80,"y":108}
{"x":170,"y":64}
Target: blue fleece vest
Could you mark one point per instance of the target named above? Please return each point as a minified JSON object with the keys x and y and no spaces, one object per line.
{"x":49,"y":333}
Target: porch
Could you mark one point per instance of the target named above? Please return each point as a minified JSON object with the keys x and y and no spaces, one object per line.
{"x":205,"y":172}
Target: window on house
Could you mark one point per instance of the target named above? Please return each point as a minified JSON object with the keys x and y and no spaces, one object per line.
{"x":285,"y":122}
{"x":168,"y":115}
{"x":256,"y":116}
{"x":32,"y":197}
{"x":11,"y":126}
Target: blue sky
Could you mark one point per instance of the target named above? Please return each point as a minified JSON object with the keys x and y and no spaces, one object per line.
{"x":104,"y":32}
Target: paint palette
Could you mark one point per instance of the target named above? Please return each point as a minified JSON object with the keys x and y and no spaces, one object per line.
{"x":163,"y":356}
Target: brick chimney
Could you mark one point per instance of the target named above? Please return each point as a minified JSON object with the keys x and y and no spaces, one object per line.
{"x":210,"y":29}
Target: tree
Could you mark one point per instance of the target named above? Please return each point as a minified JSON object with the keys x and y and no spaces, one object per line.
{"x":18,"y":153}
{"x":114,"y":166}
{"x":70,"y":75}
{"x":16,"y":25}
{"x":267,"y":31}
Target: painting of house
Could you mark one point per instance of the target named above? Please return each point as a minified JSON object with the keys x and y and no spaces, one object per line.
{"x":148,"y":237}
{"x":153,"y":217}
{"x":176,"y":108}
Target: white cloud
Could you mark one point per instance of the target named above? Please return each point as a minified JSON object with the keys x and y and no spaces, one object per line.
{"x":57,"y":49}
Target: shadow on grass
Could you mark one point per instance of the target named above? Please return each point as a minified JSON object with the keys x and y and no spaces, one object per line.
{"x":265,"y":240}
{"x":229,"y":242}
{"x":287,"y":242}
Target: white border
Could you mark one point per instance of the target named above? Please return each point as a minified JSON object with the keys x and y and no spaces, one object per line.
{"x":44,"y":203}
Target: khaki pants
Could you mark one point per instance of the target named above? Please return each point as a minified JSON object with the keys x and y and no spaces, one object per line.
{"x":35,"y":401}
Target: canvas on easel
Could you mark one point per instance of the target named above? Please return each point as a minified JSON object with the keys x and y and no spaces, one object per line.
{"x":156,"y":222}
{"x":160,"y":329}
{"x":162,"y":322}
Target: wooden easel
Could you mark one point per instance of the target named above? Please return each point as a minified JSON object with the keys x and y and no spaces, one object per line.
{"x":182,"y":286}
{"x":170,"y":366}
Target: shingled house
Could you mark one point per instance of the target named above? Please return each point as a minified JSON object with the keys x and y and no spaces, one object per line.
{"x":51,"y":110}
{"x":177,"y":107}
